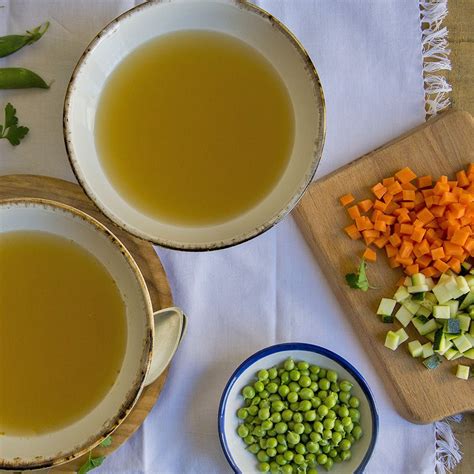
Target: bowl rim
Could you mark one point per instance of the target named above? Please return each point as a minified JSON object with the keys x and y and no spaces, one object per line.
{"x":243,"y":236}
{"x":136,"y":389}
{"x":296,"y":346}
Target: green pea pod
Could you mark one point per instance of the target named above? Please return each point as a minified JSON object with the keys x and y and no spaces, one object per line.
{"x":12,"y":43}
{"x":20,"y":78}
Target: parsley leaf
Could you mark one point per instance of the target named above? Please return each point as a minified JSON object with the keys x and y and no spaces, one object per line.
{"x":107,"y":442}
{"x":358,"y":280}
{"x":91,"y":462}
{"x":11,"y":130}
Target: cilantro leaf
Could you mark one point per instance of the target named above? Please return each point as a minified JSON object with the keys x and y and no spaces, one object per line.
{"x":358,"y":280}
{"x":106,"y":442}
{"x":90,"y":464}
{"x":11,"y":131}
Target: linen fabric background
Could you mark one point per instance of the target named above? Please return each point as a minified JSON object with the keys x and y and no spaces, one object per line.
{"x":269,"y":290}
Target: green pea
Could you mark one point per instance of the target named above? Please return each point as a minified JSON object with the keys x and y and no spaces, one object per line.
{"x":345,"y":455}
{"x":312,"y":447}
{"x":346,"y":421}
{"x":281,"y":448}
{"x":292,"y":397}
{"x":331,"y":375}
{"x":323,"y":410}
{"x":281,"y":427}
{"x":248,"y":392}
{"x":302,"y":365}
{"x":338,"y":458}
{"x":332,"y":453}
{"x":297,"y":417}
{"x":299,"y":459}
{"x":274,"y":467}
{"x":324,"y":384}
{"x":267,"y":425}
{"x":300,"y":448}
{"x":336,"y":437}
{"x":322,"y":373}
{"x":287,"y":469}
{"x":249,"y":439}
{"x":258,"y":386}
{"x":310,"y":415}
{"x":330,"y":402}
{"x":262,"y":374}
{"x":243,"y":413}
{"x":328,"y":423}
{"x":315,"y":437}
{"x":289,"y":455}
{"x":272,"y":387}
{"x":294,"y":406}
{"x":289,"y":364}
{"x":327,"y":434}
{"x":276,"y":417}
{"x":312,"y":470}
{"x":272,"y":373}
{"x":304,"y":381}
{"x":314,"y":369}
{"x":343,"y":412}
{"x":264,"y":403}
{"x":349,"y":428}
{"x":271,"y":432}
{"x":311,"y":458}
{"x":286,"y":415}
{"x":278,"y":406}
{"x":280,"y":460}
{"x":306,"y":394}
{"x":335,"y":387}
{"x":284,"y":390}
{"x":318,"y":427}
{"x":281,"y":438}
{"x":314,"y":386}
{"x":344,"y":397}
{"x":357,"y":432}
{"x":294,"y":387}
{"x":307,"y":428}
{"x":331,"y":414}
{"x":345,"y":445}
{"x":350,"y":438}
{"x":20,"y":78}
{"x":345,"y":386}
{"x":262,"y":443}
{"x":264,"y":413}
{"x":285,"y":377}
{"x":329,"y":464}
{"x":271,"y":452}
{"x":316,"y":401}
{"x":254,"y":448}
{"x":354,"y":414}
{"x":326,"y":449}
{"x":292,"y":437}
{"x":262,"y":456}
{"x":323,"y":394}
{"x":354,"y":402}
{"x":322,"y":459}
{"x":259,"y":432}
{"x":338,"y":426}
{"x":264,"y":394}
{"x":298,"y":428}
{"x":264,"y":467}
{"x":242,"y":431}
{"x":305,"y":405}
{"x":295,"y":375}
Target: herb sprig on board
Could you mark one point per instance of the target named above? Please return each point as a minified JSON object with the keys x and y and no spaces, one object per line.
{"x":93,"y":462}
{"x":10,"y":130}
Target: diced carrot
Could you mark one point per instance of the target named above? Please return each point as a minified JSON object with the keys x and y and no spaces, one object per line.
{"x":369,"y":255}
{"x":461,"y":176}
{"x":393,"y":263}
{"x":447,"y":198}
{"x":418,"y":234}
{"x":452,"y":184}
{"x":460,"y":236}
{"x":429,"y":272}
{"x":398,"y":197}
{"x":455,"y":264}
{"x":423,"y":261}
{"x":395,"y":240}
{"x":379,"y":190}
{"x":437,"y":253}
{"x":418,"y":223}
{"x":408,"y":205}
{"x":381,"y":242}
{"x":403,"y":217}
{"x":405,"y":175}
{"x":408,"y":195}
{"x":405,"y":249}
{"x":404,"y":261}
{"x":438,"y":211}
{"x":406,"y":229}
{"x":380,"y":225}
{"x":353,"y":212}
{"x":424,"y":247}
{"x":346,"y":199}
{"x":392,"y":206}
{"x":370,"y":235}
{"x":388,"y":181}
{"x":365,"y":205}
{"x":391,"y":251}
{"x":352,"y":232}
{"x":380,"y":205}
{"x":441,"y":266}
{"x":412,"y":269}
{"x":457,"y":210}
{"x":440,"y":188}
{"x":452,"y":249}
{"x":394,"y":188}
{"x":425,"y":181}
{"x":443,"y":179}
{"x":425,"y":216}
{"x":387,"y":198}
{"x":389,"y":220}
{"x":409,"y":187}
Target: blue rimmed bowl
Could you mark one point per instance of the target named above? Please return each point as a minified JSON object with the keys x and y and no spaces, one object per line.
{"x":233,"y":446}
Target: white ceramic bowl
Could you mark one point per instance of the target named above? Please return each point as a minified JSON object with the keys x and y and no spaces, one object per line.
{"x":233,"y":446}
{"x":233,"y":17}
{"x":49,"y":449}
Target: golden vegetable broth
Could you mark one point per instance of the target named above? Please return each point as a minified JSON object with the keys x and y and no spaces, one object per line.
{"x":194,"y":127}
{"x":62,"y":332}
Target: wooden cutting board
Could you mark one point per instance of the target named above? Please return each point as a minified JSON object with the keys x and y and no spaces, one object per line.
{"x":441,"y":146}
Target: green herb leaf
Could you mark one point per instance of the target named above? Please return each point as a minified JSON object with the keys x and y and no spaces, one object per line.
{"x":90,"y":464}
{"x":11,"y":131}
{"x":106,"y":442}
{"x":358,"y":280}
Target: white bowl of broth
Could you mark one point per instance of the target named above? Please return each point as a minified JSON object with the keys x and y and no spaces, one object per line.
{"x":76,"y":337}
{"x":196,"y":125}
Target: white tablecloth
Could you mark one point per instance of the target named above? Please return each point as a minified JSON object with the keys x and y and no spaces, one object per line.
{"x":270,"y":290}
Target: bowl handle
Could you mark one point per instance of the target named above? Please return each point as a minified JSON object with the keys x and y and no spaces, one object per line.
{"x":170,"y":327}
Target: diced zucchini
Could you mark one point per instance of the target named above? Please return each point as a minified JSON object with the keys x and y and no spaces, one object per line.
{"x":432,"y":362}
{"x":418,"y":289}
{"x":462,"y":372}
{"x":437,"y":339}
{"x":430,"y":282}
{"x":470,"y":279}
{"x":444,"y":278}
{"x":411,"y":305}
{"x":431,"y":336}
{"x":453,"y":307}
{"x":469,"y":354}
{"x":462,"y":343}
{"x":445,"y":346}
{"x":468,"y":299}
{"x":418,"y":322}
{"x":402,"y":335}
{"x":450,"y":353}
{"x":418,"y":279}
{"x":404,"y":316}
{"x":448,"y":289}
{"x":386,"y":307}
{"x":428,"y":327}
{"x":427,"y":350}
{"x":462,"y":284}
{"x":452,"y":326}
{"x":441,"y":312}
{"x":408,"y":281}
{"x":469,"y":338}
{"x":471,"y":330}
{"x":415,"y":348}
{"x":464,"y":321}
{"x":422,"y":311}
{"x":466,"y":266}
{"x":418,"y":296}
{"x":458,"y":355}
{"x":391,"y":340}
{"x":401,"y":294}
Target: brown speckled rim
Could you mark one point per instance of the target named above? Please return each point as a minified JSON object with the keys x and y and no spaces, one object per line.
{"x":134,"y":393}
{"x":220,"y":244}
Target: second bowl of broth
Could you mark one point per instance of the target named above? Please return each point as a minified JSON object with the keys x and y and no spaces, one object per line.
{"x":195,"y":125}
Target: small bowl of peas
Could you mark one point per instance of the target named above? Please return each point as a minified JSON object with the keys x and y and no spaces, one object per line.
{"x":297,"y":408}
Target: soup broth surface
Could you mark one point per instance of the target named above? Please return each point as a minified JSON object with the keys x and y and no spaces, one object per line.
{"x":194,"y":127}
{"x":62,"y":332}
